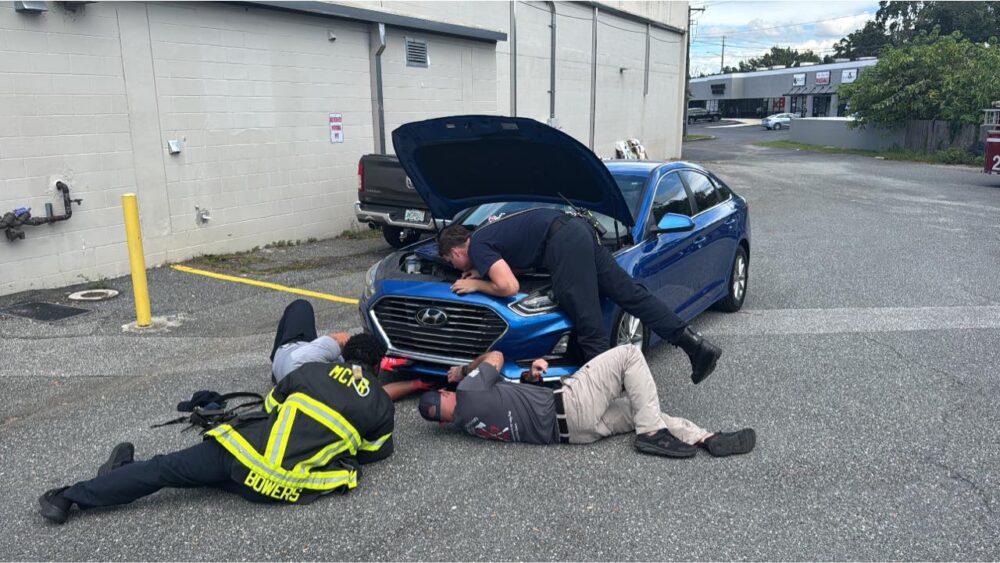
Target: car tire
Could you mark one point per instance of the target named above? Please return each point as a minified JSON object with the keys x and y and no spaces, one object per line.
{"x":398,"y":237}
{"x":777,"y":127}
{"x":716,"y":118}
{"x":629,"y":330}
{"x":739,"y":277}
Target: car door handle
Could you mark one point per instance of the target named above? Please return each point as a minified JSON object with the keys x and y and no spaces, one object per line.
{"x":700,"y":241}
{"x":730,"y":221}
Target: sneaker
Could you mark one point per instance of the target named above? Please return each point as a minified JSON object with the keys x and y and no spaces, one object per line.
{"x":54,"y":506}
{"x":731,"y":443}
{"x":122,"y":454}
{"x":663,"y":443}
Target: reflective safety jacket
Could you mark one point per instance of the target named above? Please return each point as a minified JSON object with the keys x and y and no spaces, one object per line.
{"x":319,"y":423}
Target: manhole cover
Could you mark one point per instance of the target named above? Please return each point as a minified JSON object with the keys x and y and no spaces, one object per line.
{"x":44,"y":311}
{"x":93,"y":295}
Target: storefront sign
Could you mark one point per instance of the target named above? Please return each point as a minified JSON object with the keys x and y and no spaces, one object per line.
{"x":848,"y":75}
{"x":336,"y":128}
{"x":799,"y":79}
{"x":823,"y":78}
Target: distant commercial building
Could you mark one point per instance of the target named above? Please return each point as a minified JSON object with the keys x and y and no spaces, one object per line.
{"x":809,"y":90}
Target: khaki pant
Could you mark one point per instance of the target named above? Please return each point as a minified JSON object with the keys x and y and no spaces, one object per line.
{"x":596,"y":406}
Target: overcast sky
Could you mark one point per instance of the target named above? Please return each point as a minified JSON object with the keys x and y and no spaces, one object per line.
{"x":751,"y":28}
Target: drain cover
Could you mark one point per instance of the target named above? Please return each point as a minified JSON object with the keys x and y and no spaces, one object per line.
{"x":44,"y":311}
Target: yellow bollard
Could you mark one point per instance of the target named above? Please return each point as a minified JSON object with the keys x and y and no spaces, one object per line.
{"x":133,"y":233}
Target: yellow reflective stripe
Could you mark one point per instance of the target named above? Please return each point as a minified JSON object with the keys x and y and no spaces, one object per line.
{"x":327,"y":417}
{"x":237,"y":445}
{"x":322,"y":457}
{"x":376,"y":445}
{"x":280,"y":432}
{"x":270,"y":403}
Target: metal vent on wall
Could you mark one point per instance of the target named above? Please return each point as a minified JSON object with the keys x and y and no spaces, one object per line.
{"x":416,"y":53}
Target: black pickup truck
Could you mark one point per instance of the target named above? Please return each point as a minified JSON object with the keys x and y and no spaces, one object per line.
{"x":702,"y":114}
{"x":387,"y":200}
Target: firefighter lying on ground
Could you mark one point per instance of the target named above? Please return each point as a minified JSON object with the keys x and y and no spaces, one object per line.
{"x":319,"y":424}
{"x":614,"y":393}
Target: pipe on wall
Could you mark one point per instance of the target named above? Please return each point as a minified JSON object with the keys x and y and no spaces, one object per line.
{"x":377,"y":44}
{"x":593,"y":80}
{"x":513,"y":58}
{"x":552,"y":65}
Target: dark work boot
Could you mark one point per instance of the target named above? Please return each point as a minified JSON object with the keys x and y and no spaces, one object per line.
{"x":665,"y":444}
{"x":121,"y":454}
{"x":722,"y":444}
{"x":702,"y":353}
{"x":54,"y":506}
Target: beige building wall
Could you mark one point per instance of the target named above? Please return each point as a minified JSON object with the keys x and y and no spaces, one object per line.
{"x":91,"y":96}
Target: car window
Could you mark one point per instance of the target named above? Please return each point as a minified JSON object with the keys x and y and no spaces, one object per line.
{"x":705,"y":194}
{"x":670,"y":197}
{"x":724,"y":192}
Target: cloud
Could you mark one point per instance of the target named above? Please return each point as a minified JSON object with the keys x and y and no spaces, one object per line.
{"x":842,"y":26}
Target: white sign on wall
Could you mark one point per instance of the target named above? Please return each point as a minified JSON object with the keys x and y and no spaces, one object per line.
{"x":848,"y":75}
{"x":823,"y":78}
{"x":336,"y":128}
{"x":799,"y":79}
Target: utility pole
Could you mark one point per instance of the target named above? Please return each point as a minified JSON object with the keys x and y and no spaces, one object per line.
{"x":722,"y":65}
{"x":687,"y":67}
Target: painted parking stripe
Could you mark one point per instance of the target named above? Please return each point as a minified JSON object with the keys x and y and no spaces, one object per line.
{"x":752,"y":322}
{"x":266,"y":285}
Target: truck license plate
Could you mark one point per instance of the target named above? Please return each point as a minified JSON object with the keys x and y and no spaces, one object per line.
{"x":415,"y":215}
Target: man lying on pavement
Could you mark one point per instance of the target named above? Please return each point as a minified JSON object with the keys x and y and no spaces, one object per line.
{"x":614,"y":393}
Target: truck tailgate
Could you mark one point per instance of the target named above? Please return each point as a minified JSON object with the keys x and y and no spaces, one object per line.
{"x":385,"y":183}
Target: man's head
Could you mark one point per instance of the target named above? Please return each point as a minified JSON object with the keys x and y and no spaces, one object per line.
{"x":453,"y":246}
{"x":364,"y":349}
{"x":438,"y":406}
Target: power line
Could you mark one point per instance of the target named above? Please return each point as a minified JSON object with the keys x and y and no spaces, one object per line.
{"x":728,"y":33}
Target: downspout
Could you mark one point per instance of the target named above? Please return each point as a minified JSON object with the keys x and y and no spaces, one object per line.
{"x":552,"y":66}
{"x":376,"y":39}
{"x":513,"y":59}
{"x":593,"y":80}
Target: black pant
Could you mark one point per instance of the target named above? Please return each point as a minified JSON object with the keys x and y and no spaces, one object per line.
{"x":583,"y":271}
{"x":205,"y":465}
{"x":297,"y":323}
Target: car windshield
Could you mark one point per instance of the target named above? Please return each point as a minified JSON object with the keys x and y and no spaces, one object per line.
{"x":631,"y":187}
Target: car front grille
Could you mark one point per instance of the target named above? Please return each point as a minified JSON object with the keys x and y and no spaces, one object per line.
{"x":470,"y":330}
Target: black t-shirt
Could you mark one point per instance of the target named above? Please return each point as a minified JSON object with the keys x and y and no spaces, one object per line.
{"x":518,"y":238}
{"x":489,"y":407}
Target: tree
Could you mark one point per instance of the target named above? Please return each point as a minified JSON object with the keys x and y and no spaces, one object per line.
{"x":779,"y":56}
{"x":898,"y":23}
{"x":947,"y":78}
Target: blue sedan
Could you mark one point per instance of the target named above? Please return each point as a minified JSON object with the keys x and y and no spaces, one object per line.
{"x":675,"y":227}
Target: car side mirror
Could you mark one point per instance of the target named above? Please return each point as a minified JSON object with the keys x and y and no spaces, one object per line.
{"x":674,"y":223}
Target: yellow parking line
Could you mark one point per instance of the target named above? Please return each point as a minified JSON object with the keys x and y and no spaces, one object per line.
{"x":267,"y":285}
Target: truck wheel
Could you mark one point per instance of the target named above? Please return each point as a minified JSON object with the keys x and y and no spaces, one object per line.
{"x":716,"y":118}
{"x":398,"y":237}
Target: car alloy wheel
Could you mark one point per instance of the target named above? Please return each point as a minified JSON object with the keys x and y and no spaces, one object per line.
{"x":629,"y":330}
{"x":777,"y":126}
{"x":739,"y":277}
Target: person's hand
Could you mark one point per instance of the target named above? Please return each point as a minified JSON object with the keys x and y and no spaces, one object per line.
{"x":419,"y":385}
{"x":538,"y":369}
{"x":461,"y":287}
{"x":455,"y":374}
{"x":472,"y":274}
{"x":341,"y":338}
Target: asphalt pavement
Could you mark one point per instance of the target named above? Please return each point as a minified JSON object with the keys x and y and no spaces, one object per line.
{"x":865,"y":357}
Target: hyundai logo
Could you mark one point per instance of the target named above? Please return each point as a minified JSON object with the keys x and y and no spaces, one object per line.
{"x":431,"y":317}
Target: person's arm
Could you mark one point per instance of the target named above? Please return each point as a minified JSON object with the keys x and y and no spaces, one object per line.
{"x":399,"y":389}
{"x":458,"y":373}
{"x":501,"y":283}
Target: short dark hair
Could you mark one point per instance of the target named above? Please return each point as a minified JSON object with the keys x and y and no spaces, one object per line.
{"x":364,"y":349}
{"x":451,"y":237}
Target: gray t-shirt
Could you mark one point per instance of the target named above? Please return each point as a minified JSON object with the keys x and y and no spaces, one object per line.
{"x":491,"y":408}
{"x":291,"y":356}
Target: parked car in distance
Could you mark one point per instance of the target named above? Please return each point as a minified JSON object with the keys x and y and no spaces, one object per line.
{"x":387,"y":201}
{"x":702,"y":114}
{"x":674,"y":227}
{"x":778,"y":121}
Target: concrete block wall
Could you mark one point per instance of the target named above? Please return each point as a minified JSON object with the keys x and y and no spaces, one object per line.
{"x":91,"y":96}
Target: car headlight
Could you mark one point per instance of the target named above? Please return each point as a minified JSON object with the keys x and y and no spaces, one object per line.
{"x":370,"y":281}
{"x":535,"y":304}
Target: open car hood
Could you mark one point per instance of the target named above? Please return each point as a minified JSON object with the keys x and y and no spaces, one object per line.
{"x":467,"y":160}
